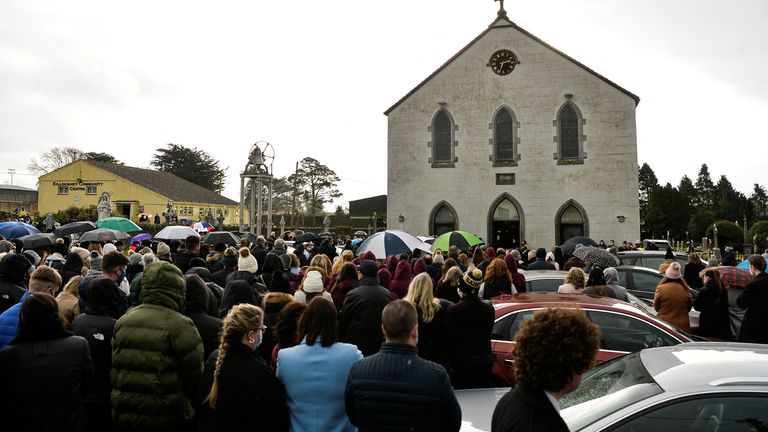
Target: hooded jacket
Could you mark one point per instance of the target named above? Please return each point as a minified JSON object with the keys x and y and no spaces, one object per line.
{"x":157,"y":356}
{"x":419,"y":267}
{"x":198,"y":300}
{"x":518,"y":280}
{"x":401,"y":279}
{"x":612,"y":281}
{"x":236,"y":292}
{"x":13,"y":272}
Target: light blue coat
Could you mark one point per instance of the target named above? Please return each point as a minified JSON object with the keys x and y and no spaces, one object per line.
{"x":314,"y":378}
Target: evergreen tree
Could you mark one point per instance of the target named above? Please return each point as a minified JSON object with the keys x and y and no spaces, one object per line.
{"x":191,"y":164}
{"x":759,"y":201}
{"x":705,"y":190}
{"x":648,"y":183}
{"x":316,"y":183}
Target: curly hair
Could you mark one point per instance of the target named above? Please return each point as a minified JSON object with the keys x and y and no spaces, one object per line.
{"x":553,"y":346}
{"x":497,"y":270}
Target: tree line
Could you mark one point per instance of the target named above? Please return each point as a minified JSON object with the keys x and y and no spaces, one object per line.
{"x":692,"y":208}
{"x":305,"y":191}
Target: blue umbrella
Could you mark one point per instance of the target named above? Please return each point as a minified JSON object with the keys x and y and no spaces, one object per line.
{"x":743,"y":265}
{"x":12,"y":230}
{"x":391,"y":242}
{"x":356,"y":241}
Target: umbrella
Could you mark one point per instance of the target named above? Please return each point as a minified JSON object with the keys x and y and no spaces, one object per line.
{"x":743,"y":265}
{"x":34,"y":241}
{"x":307,"y":237}
{"x":75,"y":228}
{"x":12,"y":230}
{"x":731,"y":276}
{"x":391,"y":242}
{"x":360,"y":234}
{"x":103,"y":235}
{"x":176,"y":232}
{"x":570,"y":245}
{"x":426,"y":239}
{"x":461,"y":239}
{"x":327,"y":234}
{"x":225,"y":237}
{"x":356,"y":241}
{"x":118,"y":223}
{"x":597,"y":256}
{"x":203,"y":226}
{"x":141,"y":237}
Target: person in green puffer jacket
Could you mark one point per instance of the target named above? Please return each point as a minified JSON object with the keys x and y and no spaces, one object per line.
{"x":157,"y":357}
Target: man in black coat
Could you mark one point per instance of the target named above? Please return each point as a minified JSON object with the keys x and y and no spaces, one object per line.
{"x":396,"y":389}
{"x":552,"y":351}
{"x":541,"y":263}
{"x":14,"y":273}
{"x":229,"y":261}
{"x":259,"y":251}
{"x":361,"y":312}
{"x":191,"y":249}
{"x":754,"y":299}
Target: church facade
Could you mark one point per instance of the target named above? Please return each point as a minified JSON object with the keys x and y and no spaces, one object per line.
{"x":514,"y":140}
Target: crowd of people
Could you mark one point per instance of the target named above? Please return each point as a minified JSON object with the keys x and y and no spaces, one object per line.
{"x":184,"y":336}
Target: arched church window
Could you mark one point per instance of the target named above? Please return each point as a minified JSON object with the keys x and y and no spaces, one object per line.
{"x":505,"y":138}
{"x":570,"y":137}
{"x":442,"y":140}
{"x":571,"y":221}
{"x":443,"y":219}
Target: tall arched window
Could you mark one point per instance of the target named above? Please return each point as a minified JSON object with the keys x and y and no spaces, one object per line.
{"x":570,"y":139}
{"x":571,"y":221}
{"x":442,"y":139}
{"x":443,"y":219}
{"x":505,"y":138}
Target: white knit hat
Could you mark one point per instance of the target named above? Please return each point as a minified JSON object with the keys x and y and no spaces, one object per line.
{"x":109,"y":247}
{"x":313,"y":282}
{"x":246,"y":261}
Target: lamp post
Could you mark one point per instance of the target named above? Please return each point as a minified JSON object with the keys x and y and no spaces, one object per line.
{"x":374,"y":222}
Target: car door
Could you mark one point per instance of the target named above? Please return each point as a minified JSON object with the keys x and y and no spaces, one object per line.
{"x":623,"y":333}
{"x":643,"y":284}
{"x":503,"y":344}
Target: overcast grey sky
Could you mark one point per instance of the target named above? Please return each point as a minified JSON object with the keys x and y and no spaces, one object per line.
{"x":313,"y":78}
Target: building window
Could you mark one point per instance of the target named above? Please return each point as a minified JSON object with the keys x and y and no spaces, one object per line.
{"x":504,"y":140}
{"x":443,"y":219}
{"x":442,"y":140}
{"x":571,"y":221}
{"x":570,"y":137}
{"x":90,"y":190}
{"x":505,"y":178}
{"x":63,"y":190}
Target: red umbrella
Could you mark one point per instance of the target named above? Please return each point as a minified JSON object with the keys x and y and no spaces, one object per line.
{"x":731,"y":276}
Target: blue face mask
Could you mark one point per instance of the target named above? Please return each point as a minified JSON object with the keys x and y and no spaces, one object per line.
{"x":258,"y":344}
{"x":121,"y":278}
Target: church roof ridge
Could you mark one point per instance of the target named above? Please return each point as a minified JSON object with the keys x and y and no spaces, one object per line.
{"x":503,"y":21}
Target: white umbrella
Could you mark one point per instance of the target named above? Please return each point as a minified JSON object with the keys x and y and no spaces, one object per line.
{"x":176,"y":232}
{"x":391,"y":242}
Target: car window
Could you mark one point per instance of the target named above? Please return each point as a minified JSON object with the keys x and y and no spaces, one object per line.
{"x":721,"y":413}
{"x":652,"y":262}
{"x":626,"y":333}
{"x":683,"y":262}
{"x":544,"y":285}
{"x":506,"y":328}
{"x":643,"y":281}
{"x":622,"y":278}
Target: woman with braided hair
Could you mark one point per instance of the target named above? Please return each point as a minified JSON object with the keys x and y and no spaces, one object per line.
{"x":240,"y":393}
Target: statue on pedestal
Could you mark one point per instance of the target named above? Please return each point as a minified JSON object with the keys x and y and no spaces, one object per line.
{"x":220,"y":221}
{"x":104,"y":208}
{"x":170,"y":214}
{"x":49,"y":222}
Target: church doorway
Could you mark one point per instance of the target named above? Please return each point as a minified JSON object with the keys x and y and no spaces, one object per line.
{"x":505,"y":223}
{"x":443,"y":219}
{"x":571,"y":221}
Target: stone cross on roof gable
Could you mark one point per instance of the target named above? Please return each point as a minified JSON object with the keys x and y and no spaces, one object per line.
{"x":502,"y":12}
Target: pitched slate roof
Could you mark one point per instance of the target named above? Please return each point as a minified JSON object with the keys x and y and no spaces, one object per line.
{"x":165,"y":184}
{"x":501,"y":22}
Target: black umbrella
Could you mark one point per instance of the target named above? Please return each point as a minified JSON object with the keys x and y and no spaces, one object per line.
{"x":570,"y":245}
{"x":103,"y":235}
{"x":597,"y":256}
{"x":307,"y":237}
{"x":75,"y":228}
{"x":225,"y":237}
{"x":34,"y":241}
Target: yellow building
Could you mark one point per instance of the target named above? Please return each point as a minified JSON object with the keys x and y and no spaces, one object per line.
{"x":132,"y":191}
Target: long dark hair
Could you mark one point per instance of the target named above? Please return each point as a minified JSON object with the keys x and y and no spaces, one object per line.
{"x":319,"y":320}
{"x":714,"y":277}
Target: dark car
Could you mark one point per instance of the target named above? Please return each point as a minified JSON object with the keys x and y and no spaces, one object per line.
{"x":651,"y":259}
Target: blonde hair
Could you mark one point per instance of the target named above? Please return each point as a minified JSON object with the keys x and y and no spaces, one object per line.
{"x":322,"y":261}
{"x":452,"y":275}
{"x":95,"y":246}
{"x":420,"y":294}
{"x":576,"y":277}
{"x":72,"y":286}
{"x":240,"y":320}
{"x":346,"y":257}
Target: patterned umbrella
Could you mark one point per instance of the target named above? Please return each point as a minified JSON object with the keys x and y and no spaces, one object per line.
{"x":731,"y":276}
{"x":176,"y":232}
{"x":203,"y":227}
{"x":103,"y":235}
{"x":12,"y":230}
{"x":570,"y":245}
{"x":461,"y":239}
{"x":597,"y":256}
{"x":75,"y":228}
{"x":391,"y":242}
{"x":118,"y":223}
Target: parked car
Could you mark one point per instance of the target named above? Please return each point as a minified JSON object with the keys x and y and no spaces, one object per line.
{"x":640,"y":282}
{"x":690,"y":387}
{"x":651,"y":259}
{"x":660,"y":244}
{"x":624,"y":328}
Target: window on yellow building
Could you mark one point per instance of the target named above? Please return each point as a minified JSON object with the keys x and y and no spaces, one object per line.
{"x":63,"y":190}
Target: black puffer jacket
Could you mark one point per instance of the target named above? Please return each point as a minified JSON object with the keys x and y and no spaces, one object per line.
{"x":13,"y":274}
{"x":470,"y":323}
{"x":361,"y":316}
{"x":395,"y":390}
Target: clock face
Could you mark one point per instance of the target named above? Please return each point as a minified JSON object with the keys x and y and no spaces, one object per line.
{"x":502,"y":62}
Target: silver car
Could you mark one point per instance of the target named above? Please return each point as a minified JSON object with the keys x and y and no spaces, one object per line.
{"x":692,"y":387}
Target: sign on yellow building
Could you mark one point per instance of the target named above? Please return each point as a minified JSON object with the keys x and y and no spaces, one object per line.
{"x":132,"y":192}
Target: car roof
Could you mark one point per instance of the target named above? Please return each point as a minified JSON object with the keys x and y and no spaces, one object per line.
{"x":552,"y":299}
{"x":650,"y":253}
{"x":636,"y":268}
{"x":707,"y":364}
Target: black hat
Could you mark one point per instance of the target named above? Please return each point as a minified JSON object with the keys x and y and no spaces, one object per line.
{"x":368,"y":268}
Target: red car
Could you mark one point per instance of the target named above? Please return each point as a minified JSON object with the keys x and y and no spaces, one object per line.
{"x":623,"y":327}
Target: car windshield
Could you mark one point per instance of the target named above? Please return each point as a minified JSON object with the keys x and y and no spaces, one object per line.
{"x":607,"y":388}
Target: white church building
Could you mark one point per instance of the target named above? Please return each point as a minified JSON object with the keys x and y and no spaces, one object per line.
{"x":513,"y":140}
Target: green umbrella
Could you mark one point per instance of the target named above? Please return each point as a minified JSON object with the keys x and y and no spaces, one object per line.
{"x":118,"y":223}
{"x":461,"y":239}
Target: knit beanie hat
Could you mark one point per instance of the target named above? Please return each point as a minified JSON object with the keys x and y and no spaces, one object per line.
{"x":163,"y":250}
{"x":673,"y":271}
{"x":230,"y":257}
{"x":247,"y":262}
{"x":94,"y":262}
{"x":713,"y":262}
{"x":109,"y":247}
{"x":313,"y":282}
{"x":471,"y":281}
{"x":135,"y":259}
{"x":369,"y":268}
{"x":490,"y":252}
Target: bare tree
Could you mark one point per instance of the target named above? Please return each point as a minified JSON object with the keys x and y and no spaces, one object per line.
{"x":53,"y":159}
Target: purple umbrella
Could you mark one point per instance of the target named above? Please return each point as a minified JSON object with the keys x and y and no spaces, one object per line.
{"x":141,"y":237}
